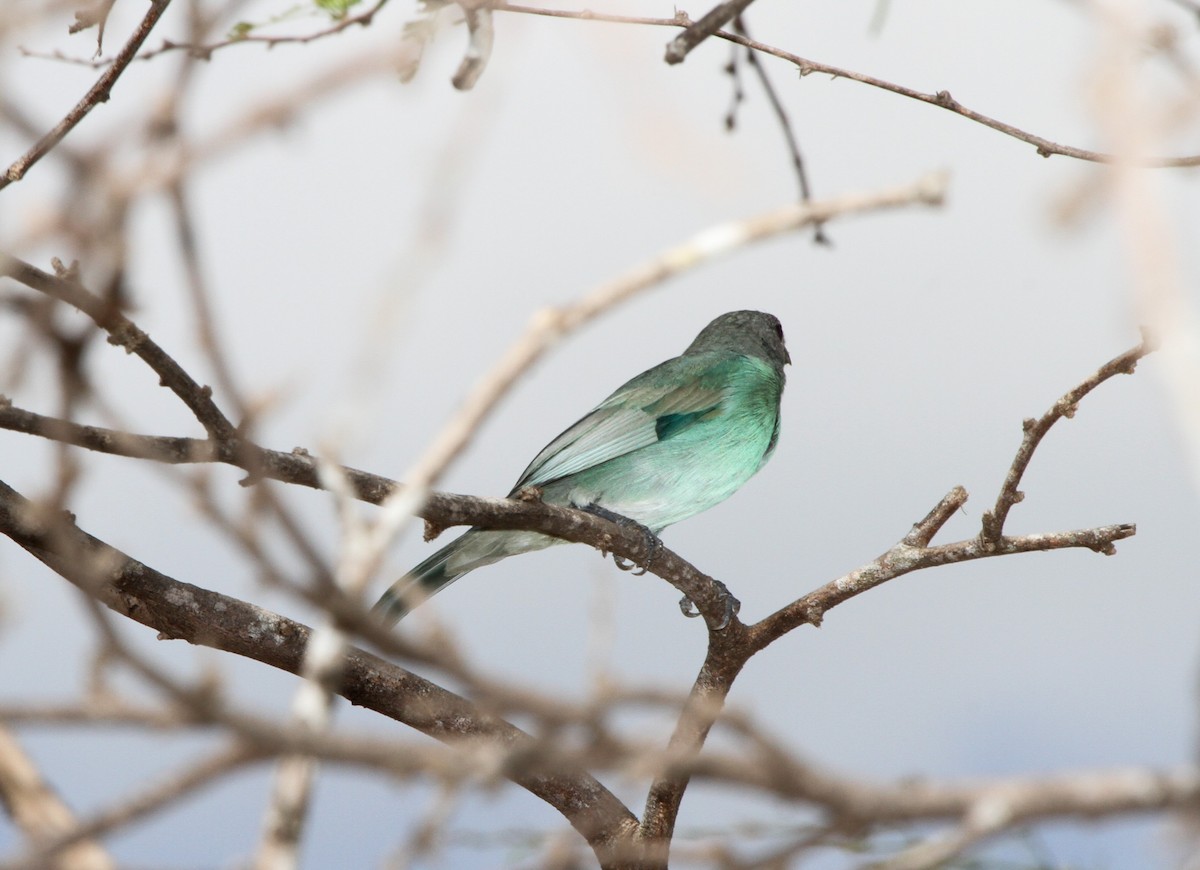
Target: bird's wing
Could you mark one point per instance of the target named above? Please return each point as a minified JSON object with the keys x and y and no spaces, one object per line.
{"x":656,"y":405}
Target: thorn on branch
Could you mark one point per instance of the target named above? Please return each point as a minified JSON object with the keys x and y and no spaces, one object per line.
{"x":66,"y":272}
{"x":129,"y":337}
{"x":733,"y":70}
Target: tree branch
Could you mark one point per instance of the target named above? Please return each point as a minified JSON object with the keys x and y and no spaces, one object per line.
{"x":99,"y":93}
{"x":124,"y":333}
{"x":694,"y":34}
{"x":942,"y":99}
{"x":38,"y":811}
{"x":730,"y":649}
{"x":183,"y":611}
{"x":241,"y":36}
{"x":1035,"y":431}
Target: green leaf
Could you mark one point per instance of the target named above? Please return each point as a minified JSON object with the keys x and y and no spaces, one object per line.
{"x":241,"y":30}
{"x":336,"y":8}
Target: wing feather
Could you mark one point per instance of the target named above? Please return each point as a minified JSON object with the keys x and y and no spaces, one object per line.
{"x":684,"y":389}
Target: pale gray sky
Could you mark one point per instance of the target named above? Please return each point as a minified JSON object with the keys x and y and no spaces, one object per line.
{"x":921,"y":339}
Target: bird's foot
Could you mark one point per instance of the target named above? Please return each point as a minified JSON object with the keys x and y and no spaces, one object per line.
{"x":732,"y":606}
{"x":653,"y":544}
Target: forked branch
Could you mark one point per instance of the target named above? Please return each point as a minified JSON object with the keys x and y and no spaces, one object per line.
{"x":729,"y":650}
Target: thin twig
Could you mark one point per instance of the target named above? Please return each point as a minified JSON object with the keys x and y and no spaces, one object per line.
{"x":98,"y":93}
{"x":785,"y":124}
{"x":199,"y":295}
{"x":904,"y":559}
{"x":204,"y":51}
{"x":123,"y":333}
{"x":103,"y":711}
{"x":942,"y":99}
{"x":1035,"y":430}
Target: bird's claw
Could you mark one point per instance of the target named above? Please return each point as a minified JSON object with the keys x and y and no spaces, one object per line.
{"x":731,"y":604}
{"x":653,"y":544}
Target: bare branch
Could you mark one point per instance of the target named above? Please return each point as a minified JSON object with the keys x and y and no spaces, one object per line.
{"x":204,"y":51}
{"x":154,"y":799}
{"x":38,"y":811}
{"x":98,"y":711}
{"x":988,"y":805}
{"x":904,"y":559}
{"x":1035,"y":431}
{"x":694,"y":34}
{"x":98,"y":93}
{"x":731,"y":648}
{"x":481,"y":33}
{"x":942,"y":99}
{"x":180,"y":610}
{"x":785,"y":124}
{"x":123,"y":333}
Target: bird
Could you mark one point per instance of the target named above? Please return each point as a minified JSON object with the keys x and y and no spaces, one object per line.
{"x":671,"y":442}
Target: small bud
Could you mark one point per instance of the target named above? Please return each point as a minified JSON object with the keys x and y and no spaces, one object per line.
{"x":529,"y":493}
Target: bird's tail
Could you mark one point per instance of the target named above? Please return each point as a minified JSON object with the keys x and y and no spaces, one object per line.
{"x":470,"y":551}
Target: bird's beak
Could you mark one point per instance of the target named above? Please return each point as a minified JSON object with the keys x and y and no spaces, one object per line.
{"x":787,"y":357}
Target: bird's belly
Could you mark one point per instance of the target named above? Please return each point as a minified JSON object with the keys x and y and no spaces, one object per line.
{"x":666,"y":482}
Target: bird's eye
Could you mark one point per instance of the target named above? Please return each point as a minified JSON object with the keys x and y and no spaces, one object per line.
{"x":779,"y":330}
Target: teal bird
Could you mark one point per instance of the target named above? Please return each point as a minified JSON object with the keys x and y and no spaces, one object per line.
{"x":674,"y":441}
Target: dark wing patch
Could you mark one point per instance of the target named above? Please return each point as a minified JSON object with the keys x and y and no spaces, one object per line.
{"x":669,"y":425}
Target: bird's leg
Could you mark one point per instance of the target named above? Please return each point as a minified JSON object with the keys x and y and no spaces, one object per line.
{"x":653,"y":544}
{"x":732,"y":606}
